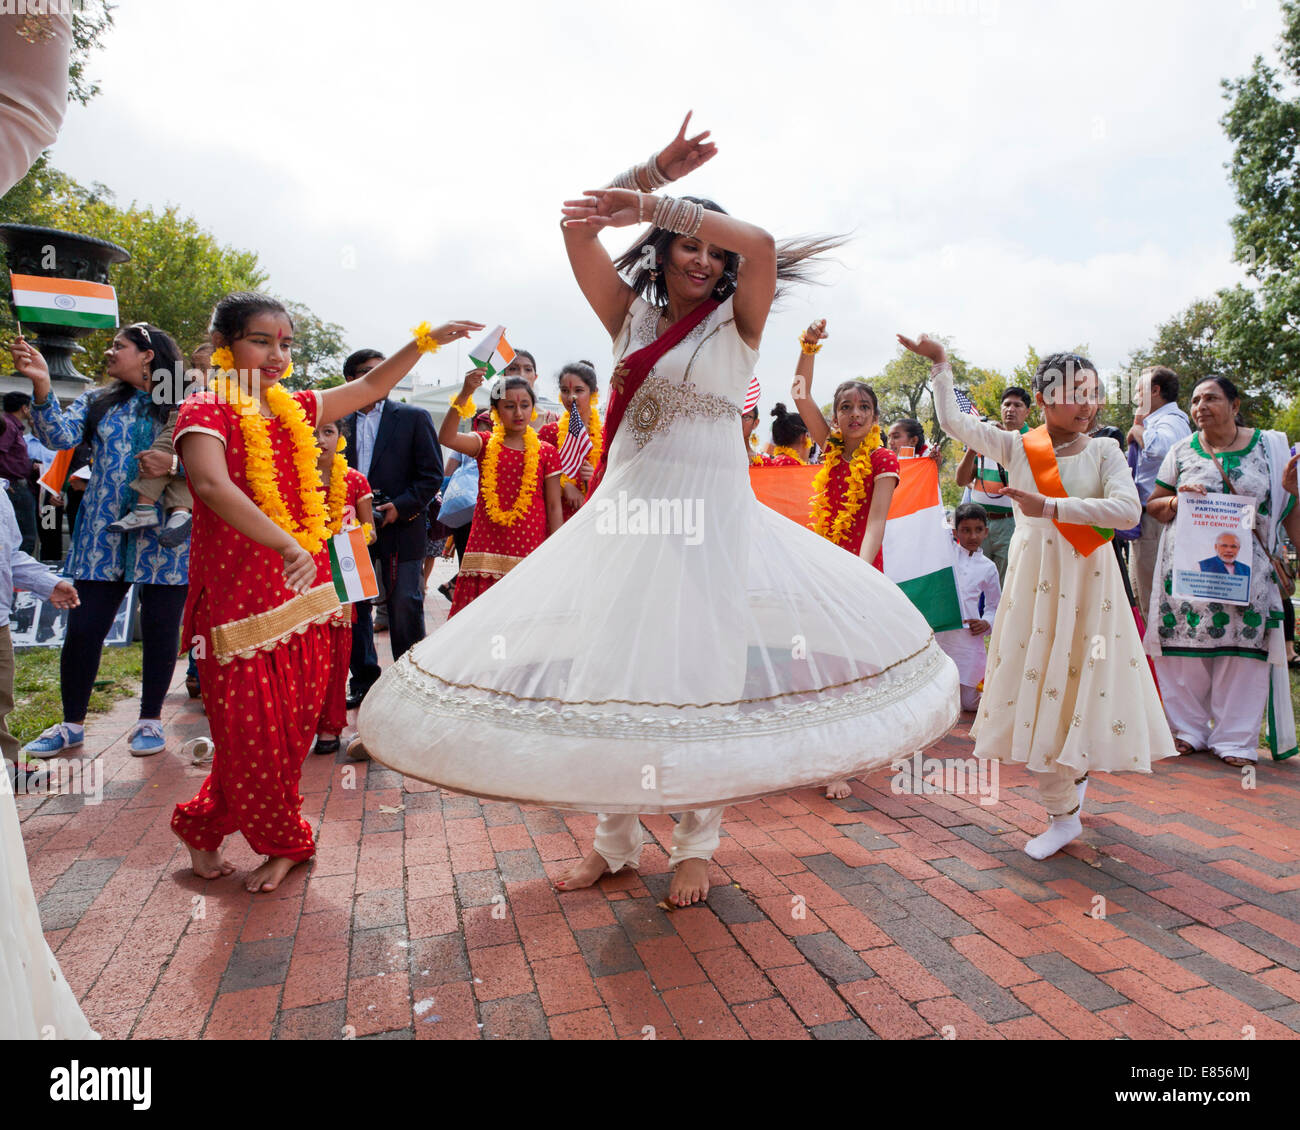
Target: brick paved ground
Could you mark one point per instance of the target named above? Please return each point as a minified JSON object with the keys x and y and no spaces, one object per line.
{"x":431,"y":916}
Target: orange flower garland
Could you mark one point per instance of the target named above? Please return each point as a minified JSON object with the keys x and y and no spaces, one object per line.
{"x":259,"y":456}
{"x":855,"y":491}
{"x":338,"y":492}
{"x":528,"y":485}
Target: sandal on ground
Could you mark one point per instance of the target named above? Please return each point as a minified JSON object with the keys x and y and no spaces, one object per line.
{"x":1236,"y":762}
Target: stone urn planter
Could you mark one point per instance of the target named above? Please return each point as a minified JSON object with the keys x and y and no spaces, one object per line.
{"x":51,"y":253}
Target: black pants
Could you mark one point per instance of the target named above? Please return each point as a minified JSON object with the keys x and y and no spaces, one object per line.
{"x":20,"y":494}
{"x":88,"y":625}
{"x":404,"y":585}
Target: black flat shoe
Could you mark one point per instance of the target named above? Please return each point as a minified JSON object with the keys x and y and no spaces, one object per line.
{"x":326,"y":746}
{"x":192,"y":685}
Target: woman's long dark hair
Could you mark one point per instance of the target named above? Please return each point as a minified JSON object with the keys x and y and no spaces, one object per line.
{"x":793,"y":261}
{"x":166,"y":365}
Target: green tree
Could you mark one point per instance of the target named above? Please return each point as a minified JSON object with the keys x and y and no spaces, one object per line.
{"x":319,"y":348}
{"x":1259,"y":326}
{"x":90,"y":22}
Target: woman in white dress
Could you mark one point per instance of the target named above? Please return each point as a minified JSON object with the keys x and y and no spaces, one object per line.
{"x":1067,"y":689}
{"x":676,"y":646}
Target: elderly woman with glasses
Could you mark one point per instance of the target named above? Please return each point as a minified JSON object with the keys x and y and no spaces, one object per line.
{"x":120,"y":422}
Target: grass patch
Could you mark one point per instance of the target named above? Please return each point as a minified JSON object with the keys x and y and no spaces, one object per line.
{"x":37,"y":702}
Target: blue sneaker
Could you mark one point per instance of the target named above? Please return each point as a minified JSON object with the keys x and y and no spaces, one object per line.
{"x":56,"y":740}
{"x":147,"y":738}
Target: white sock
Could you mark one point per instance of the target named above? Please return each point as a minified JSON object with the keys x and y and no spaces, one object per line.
{"x":1060,"y":832}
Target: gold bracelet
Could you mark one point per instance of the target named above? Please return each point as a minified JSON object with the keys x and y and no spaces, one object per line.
{"x":424,"y":338}
{"x":808,"y":348}
{"x":464,"y":411}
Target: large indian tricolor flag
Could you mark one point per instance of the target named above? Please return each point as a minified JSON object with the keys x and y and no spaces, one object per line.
{"x":64,"y":302}
{"x":918,"y":545}
{"x":354,"y":576}
{"x":493,"y":353}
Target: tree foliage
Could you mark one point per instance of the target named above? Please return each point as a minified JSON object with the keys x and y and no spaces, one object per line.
{"x":90,"y":22}
{"x":319,"y":349}
{"x":1258,"y":332}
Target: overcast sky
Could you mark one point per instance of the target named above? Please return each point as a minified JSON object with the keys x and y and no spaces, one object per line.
{"x":1012,"y":171}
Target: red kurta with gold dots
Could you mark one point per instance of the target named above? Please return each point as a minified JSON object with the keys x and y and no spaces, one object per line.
{"x":334,"y":716}
{"x":883,"y":462}
{"x":498,"y":548}
{"x":262,"y":708}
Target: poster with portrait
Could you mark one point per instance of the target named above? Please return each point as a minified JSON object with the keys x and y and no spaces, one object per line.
{"x":1213,"y":550}
{"x":34,"y":622}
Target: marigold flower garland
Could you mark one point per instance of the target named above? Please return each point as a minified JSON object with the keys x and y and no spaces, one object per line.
{"x":597,"y":439}
{"x":527,"y":486}
{"x":338,"y":492}
{"x":855,"y":490}
{"x":259,"y":455}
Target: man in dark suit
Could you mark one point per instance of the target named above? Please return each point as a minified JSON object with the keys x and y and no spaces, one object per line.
{"x":1226,"y":548}
{"x":394,"y":445}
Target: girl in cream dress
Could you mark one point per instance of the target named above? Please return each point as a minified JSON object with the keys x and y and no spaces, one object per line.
{"x":1067,"y":690}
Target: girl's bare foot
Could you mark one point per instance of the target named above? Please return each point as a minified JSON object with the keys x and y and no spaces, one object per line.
{"x":208,"y":864}
{"x":838,"y":790}
{"x":690,"y":882}
{"x":271,"y":874}
{"x":584,"y":874}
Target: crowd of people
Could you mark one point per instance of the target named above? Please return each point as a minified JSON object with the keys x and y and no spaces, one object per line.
{"x":682,"y":691}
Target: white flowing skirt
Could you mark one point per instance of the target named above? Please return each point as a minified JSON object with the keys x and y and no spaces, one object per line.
{"x":676,"y":645}
{"x":35,"y":1000}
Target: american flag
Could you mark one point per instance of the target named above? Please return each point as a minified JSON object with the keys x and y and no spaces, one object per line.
{"x":751,"y":395}
{"x":964,"y":403}
{"x":577,"y":444}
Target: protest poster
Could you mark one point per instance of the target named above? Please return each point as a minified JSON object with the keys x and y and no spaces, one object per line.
{"x":1213,"y":549}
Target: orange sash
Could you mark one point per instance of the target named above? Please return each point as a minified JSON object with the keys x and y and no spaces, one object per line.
{"x":1047,"y":477}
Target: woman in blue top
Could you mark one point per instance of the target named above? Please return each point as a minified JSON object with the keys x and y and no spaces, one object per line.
{"x":119,"y":422}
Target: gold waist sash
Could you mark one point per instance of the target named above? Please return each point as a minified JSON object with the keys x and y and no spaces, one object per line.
{"x":241,"y":639}
{"x":491,"y":564}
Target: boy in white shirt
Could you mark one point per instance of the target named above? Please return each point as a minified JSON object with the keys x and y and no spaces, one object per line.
{"x":976,"y":577}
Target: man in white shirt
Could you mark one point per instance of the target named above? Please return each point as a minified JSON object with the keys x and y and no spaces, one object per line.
{"x":1158,"y":424}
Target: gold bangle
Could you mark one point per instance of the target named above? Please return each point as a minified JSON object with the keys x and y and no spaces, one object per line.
{"x":424,"y":338}
{"x":464,"y":411}
{"x":808,"y":348}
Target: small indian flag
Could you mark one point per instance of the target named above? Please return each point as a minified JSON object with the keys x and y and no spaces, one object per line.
{"x":493,"y":353}
{"x":918,"y":545}
{"x":63,"y":302}
{"x":354,"y":576}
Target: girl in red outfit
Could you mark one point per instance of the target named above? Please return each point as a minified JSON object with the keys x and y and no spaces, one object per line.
{"x":348,"y":503}
{"x":577,"y":383}
{"x":858,"y":475}
{"x":519,"y":502}
{"x":256,"y":613}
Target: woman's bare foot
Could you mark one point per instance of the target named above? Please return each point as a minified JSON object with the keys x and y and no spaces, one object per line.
{"x":584,"y":874}
{"x":838,"y":790}
{"x":208,"y":864}
{"x":690,"y":882}
{"x":271,"y":874}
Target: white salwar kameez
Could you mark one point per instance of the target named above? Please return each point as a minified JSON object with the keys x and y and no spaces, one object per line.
{"x":976,"y":576}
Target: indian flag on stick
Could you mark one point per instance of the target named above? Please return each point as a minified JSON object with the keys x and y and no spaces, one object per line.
{"x":354,"y":577}
{"x":918,"y":545}
{"x":64,"y":302}
{"x":493,"y":353}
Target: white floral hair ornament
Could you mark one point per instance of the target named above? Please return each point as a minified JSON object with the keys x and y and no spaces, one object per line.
{"x":496,"y":388}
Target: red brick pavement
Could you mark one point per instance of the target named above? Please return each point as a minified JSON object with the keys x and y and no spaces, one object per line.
{"x":429,"y":915}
